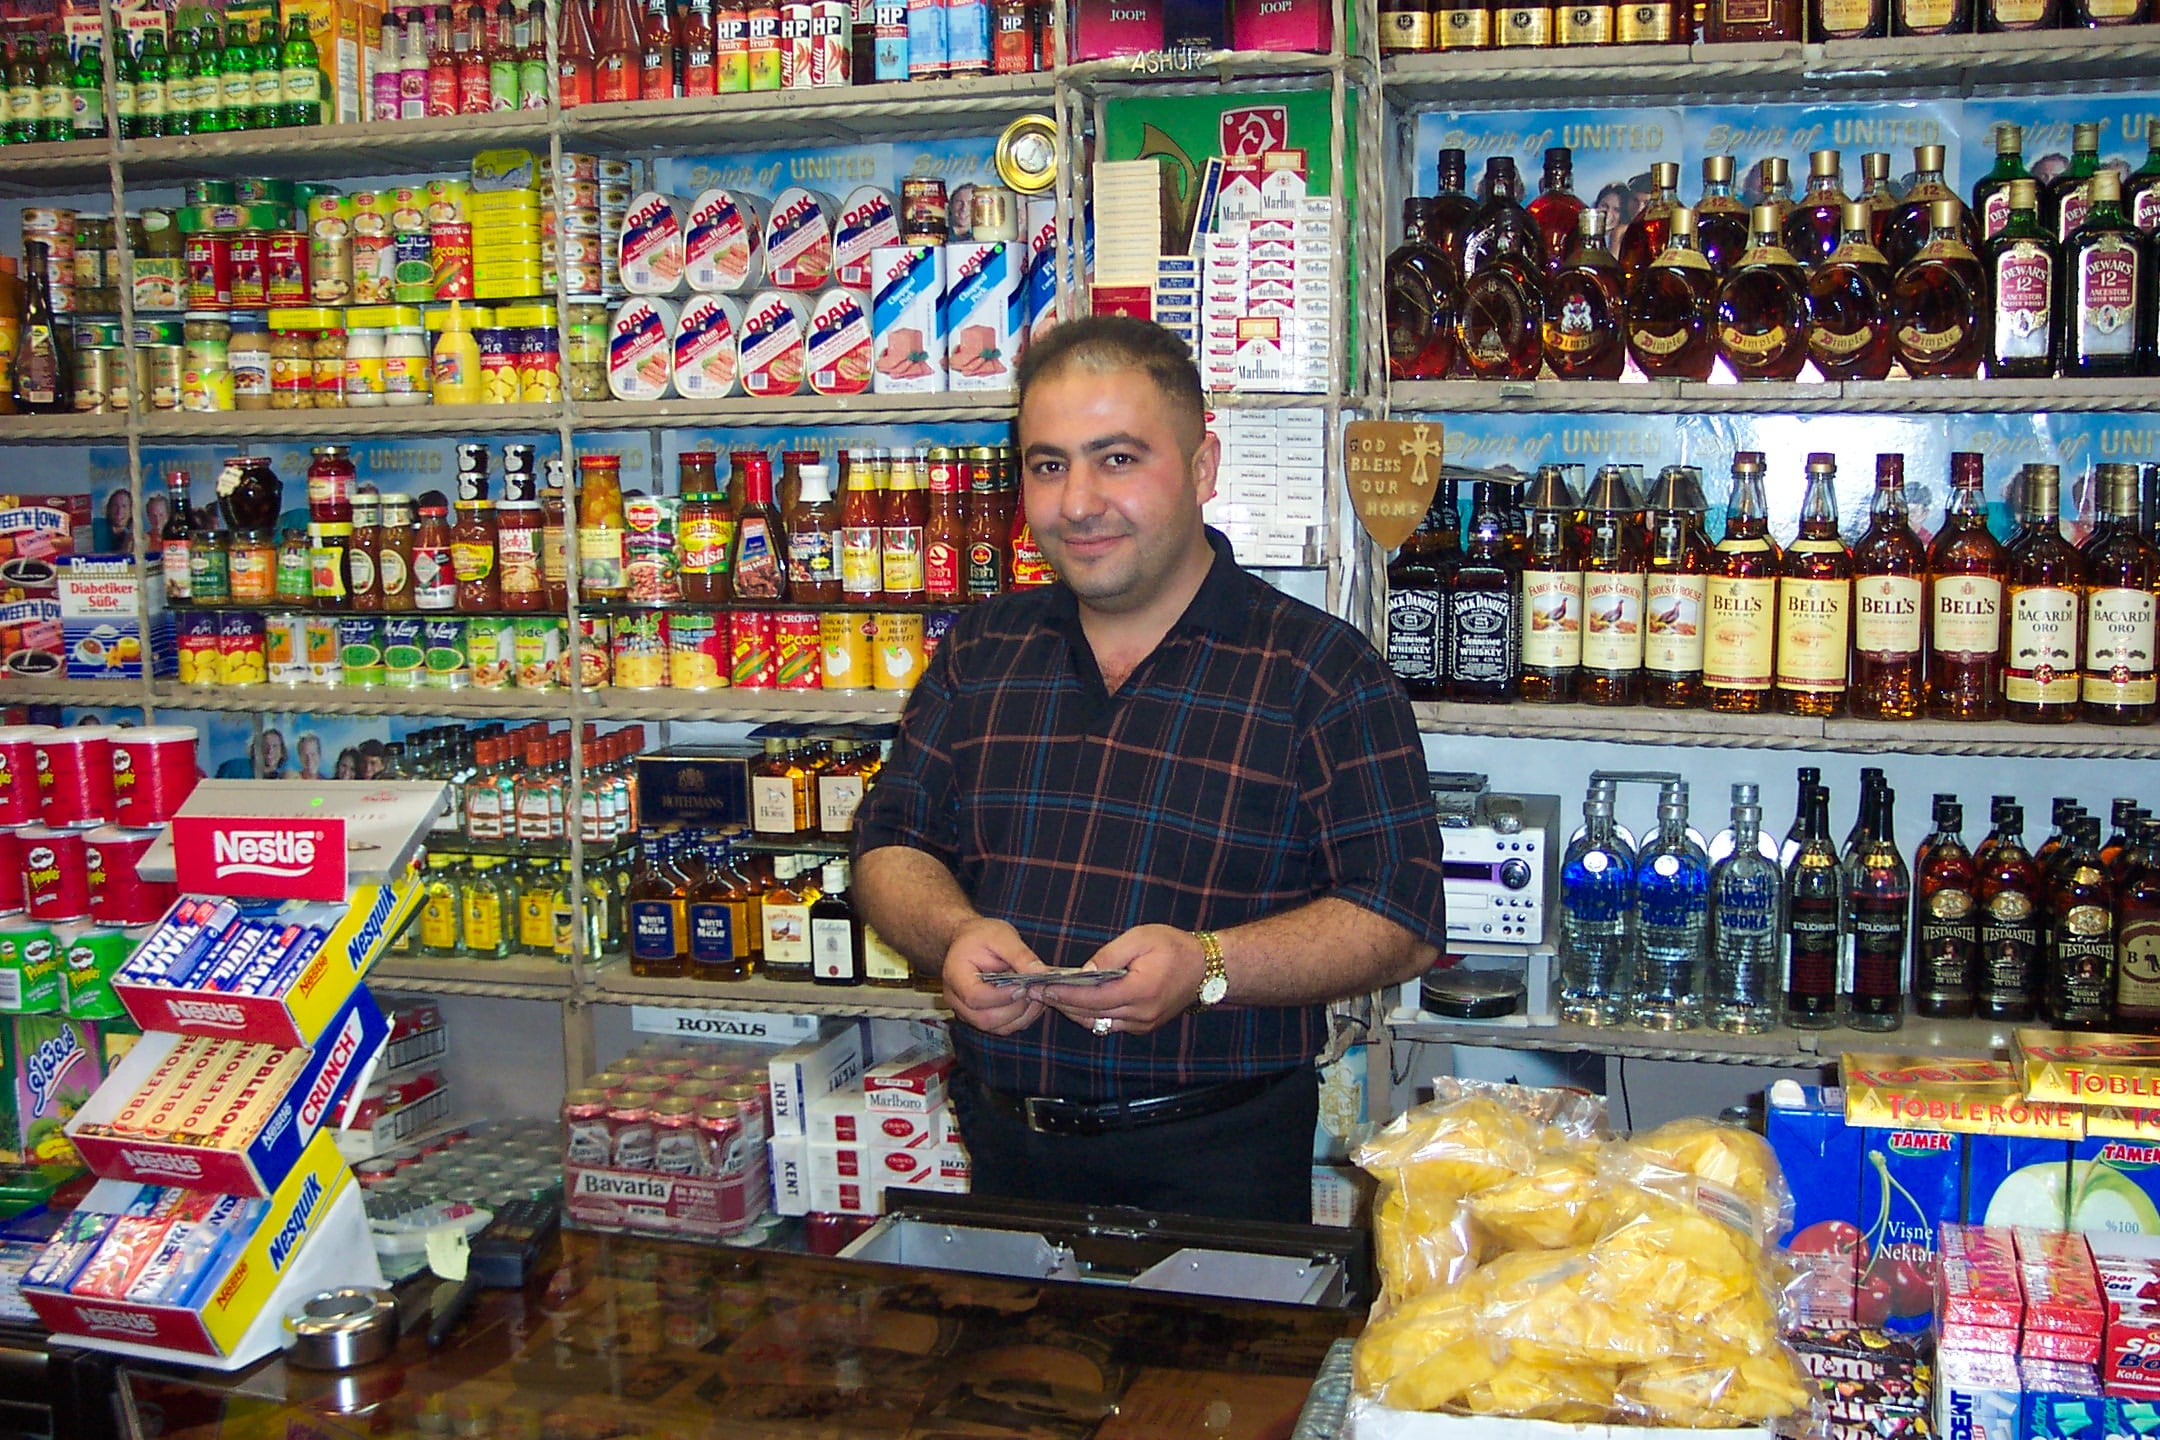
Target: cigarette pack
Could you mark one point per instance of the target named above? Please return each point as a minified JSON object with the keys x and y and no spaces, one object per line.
{"x":911,"y":1083}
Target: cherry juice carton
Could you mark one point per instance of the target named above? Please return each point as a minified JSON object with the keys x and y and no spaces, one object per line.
{"x":1911,"y":1181}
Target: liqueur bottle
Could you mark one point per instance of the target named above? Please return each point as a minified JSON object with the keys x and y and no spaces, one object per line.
{"x":1938,"y":310}
{"x":1966,"y":568}
{"x":1743,"y":917}
{"x":1672,"y":885}
{"x":1848,"y":296}
{"x":1889,"y":566}
{"x":1416,"y":635}
{"x":1502,"y":226}
{"x":1742,"y":21}
{"x":1878,"y":900}
{"x":1848,"y":19}
{"x":1552,"y":592}
{"x":1740,"y":598}
{"x":1813,"y":903}
{"x":2122,"y":571}
{"x":1676,"y":576}
{"x":1647,"y":232}
{"x":1721,"y":217}
{"x":1482,"y":629}
{"x":1762,"y":308}
{"x":1613,"y":591}
{"x":1672,"y":306}
{"x":1816,"y":224}
{"x":1809,"y":777}
{"x":1447,"y":223}
{"x":2022,"y":269}
{"x":2137,"y":934}
{"x":1814,"y":612}
{"x":1597,"y":903}
{"x":1930,"y":17}
{"x":2104,"y":282}
{"x":1991,"y":193}
{"x":44,"y":348}
{"x":1423,"y":302}
{"x":2067,"y":197}
{"x":1876,"y":194}
{"x":2141,"y":196}
{"x":1585,"y":309}
{"x":1462,"y":24}
{"x":2044,"y":585}
{"x":1913,"y":225}
{"x":836,"y":942}
{"x":2008,"y":978}
{"x":1777,"y":186}
{"x":2081,"y":970}
{"x":1557,"y":211}
{"x":1498,"y":332}
{"x":1946,"y":927}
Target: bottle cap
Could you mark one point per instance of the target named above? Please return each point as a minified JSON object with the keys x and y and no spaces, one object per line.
{"x":1683,"y":220}
{"x":1874,"y":166}
{"x":2105,"y":185}
{"x":834,"y":877}
{"x":1823,"y":460}
{"x":1677,"y":487}
{"x":1950,"y":214}
{"x":1717,"y":169}
{"x":1856,"y":216}
{"x":1824,"y":163}
{"x":1889,"y":470}
{"x":1928,"y":157}
{"x":1665,"y":175}
{"x":2085,"y":136}
{"x":1764,"y":219}
{"x":2024,"y":194}
{"x":2009,"y":139}
{"x":1775,"y":171}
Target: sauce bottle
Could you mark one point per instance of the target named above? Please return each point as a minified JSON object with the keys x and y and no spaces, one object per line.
{"x":434,"y":582}
{"x":363,"y":567}
{"x":517,"y":555}
{"x":393,"y":555}
{"x":813,"y":539}
{"x":989,"y":540}
{"x":574,"y":51}
{"x":760,"y":571}
{"x":901,"y":521}
{"x":705,"y":530}
{"x":862,"y":565}
{"x":472,"y":557}
{"x":945,"y":536}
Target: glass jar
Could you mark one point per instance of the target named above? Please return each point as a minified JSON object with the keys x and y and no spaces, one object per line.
{"x":295,"y":580}
{"x":405,"y":366}
{"x":249,"y":493}
{"x":329,"y":356}
{"x":159,"y":274}
{"x":292,"y":370}
{"x":331,"y":477}
{"x":248,"y":356}
{"x":209,"y":573}
{"x":251,"y":566}
{"x":585,"y":367}
{"x":366,"y":384}
{"x":206,"y":382}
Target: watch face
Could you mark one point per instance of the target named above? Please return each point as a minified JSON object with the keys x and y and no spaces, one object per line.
{"x":1213,"y":989}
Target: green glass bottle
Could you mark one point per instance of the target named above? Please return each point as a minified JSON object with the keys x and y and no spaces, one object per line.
{"x":301,"y":75}
{"x":24,"y":105}
{"x":55,"y":104}
{"x":266,"y":78}
{"x":181,"y":66}
{"x":209,"y":81}
{"x":124,"y":88}
{"x":150,"y":76}
{"x":236,"y":78}
{"x":87,"y":97}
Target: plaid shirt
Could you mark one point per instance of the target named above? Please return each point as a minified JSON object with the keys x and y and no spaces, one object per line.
{"x":1260,"y":758}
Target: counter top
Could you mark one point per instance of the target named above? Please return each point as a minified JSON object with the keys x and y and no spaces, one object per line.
{"x":662,"y":1341}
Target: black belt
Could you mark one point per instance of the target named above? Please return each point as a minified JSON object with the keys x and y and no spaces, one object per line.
{"x":1048,"y":1115}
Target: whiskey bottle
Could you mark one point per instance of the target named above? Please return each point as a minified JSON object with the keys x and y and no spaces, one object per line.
{"x":1742,"y":21}
{"x":1848,"y":306}
{"x":1816,"y":224}
{"x":2021,"y":264}
{"x":2141,"y":196}
{"x":2008,"y":977}
{"x":2137,"y":934}
{"x":1813,"y":904}
{"x":1447,"y":223}
{"x":1552,"y":592}
{"x":1848,"y":19}
{"x":1938,"y":310}
{"x":1646,"y":234}
{"x":1613,"y":590}
{"x":1423,"y":302}
{"x":1796,"y":834}
{"x":1913,"y":225}
{"x":1878,"y":900}
{"x":2065,"y":200}
{"x":1462,"y":24}
{"x":1502,"y":226}
{"x":1676,"y":574}
{"x":1762,"y":310}
{"x":1498,"y":334}
{"x":2104,"y":280}
{"x":1482,"y":630}
{"x":1522,"y":24}
{"x":1966,"y":567}
{"x":1557,"y":211}
{"x":2081,"y":972}
{"x":1583,"y":22}
{"x":2045,"y":582}
{"x":1406,"y":27}
{"x":1653,"y":22}
{"x":1991,"y":194}
{"x":1671,"y":307}
{"x":2122,"y":571}
{"x":2123,"y":817}
{"x":836,"y":942}
{"x":1889,"y":577}
{"x":1740,"y":598}
{"x":1777,"y":186}
{"x":1585,"y":309}
{"x":1745,"y":889}
{"x":1814,"y":615}
{"x":1876,"y":194}
{"x":1416,"y":636}
{"x":1930,"y":17}
{"x":1721,"y":217}
{"x":1946,"y":927}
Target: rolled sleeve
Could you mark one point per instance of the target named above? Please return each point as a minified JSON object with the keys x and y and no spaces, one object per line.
{"x":1362,"y":783}
{"x":915,"y":801}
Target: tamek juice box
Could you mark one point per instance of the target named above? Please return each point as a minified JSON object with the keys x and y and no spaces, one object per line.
{"x":1820,"y":1156}
{"x":2015,"y":1180}
{"x":1910,"y":1182}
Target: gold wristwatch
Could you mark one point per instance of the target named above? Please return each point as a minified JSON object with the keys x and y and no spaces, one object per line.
{"x":1215,"y":981}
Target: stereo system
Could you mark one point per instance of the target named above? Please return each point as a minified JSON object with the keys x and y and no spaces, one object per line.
{"x":1500,"y":858}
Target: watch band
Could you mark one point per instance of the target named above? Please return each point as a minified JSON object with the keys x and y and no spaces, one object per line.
{"x":1215,"y":979}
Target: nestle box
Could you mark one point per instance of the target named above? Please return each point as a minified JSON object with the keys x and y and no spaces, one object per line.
{"x":1914,"y":1180}
{"x":2114,"y":1186}
{"x":2015,"y":1180}
{"x":811,"y":1070}
{"x":704,"y":786}
{"x":913,"y":1083}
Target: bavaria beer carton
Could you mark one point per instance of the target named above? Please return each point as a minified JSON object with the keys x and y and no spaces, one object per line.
{"x":2089,"y":1069}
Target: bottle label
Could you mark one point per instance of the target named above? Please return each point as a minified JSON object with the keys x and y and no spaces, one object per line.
{"x":787,"y":935}
{"x":1878,"y":938}
{"x":772,"y":804}
{"x":1812,"y":958}
{"x":2145,"y":210}
{"x":2137,"y":959}
{"x":1406,"y":30}
{"x":302,"y":85}
{"x":1921,"y":17}
{"x":2043,"y":665}
{"x":1552,"y":619}
{"x":2083,"y":942}
{"x":175,"y":563}
{"x":1481,"y":637}
{"x":2077,"y":203}
{"x":1813,"y":616}
{"x":838,"y":797}
{"x":1585,"y":24}
{"x":2105,"y":317}
{"x":861,"y":560}
{"x":1967,"y":617}
{"x":712,"y":933}
{"x":1529,"y":26}
{"x":1845,"y":19}
{"x":810,"y":556}
{"x":1928,"y":346}
{"x":518,"y":552}
{"x":2024,"y":300}
{"x":2009,"y":945}
{"x":472,"y":561}
{"x":1467,"y":27}
{"x":883,"y":963}
{"x":483,"y":813}
{"x":1643,"y":24}
{"x":439,"y":919}
{"x":1740,"y":640}
{"x":1413,"y":636}
{"x":832,"y":949}
{"x":655,"y":930}
{"x":901,"y":547}
{"x":483,"y":920}
{"x":1949,"y":940}
{"x":1886,"y":616}
{"x":536,"y":920}
{"x":2119,"y":647}
{"x":944,"y":573}
{"x":1673,"y":624}
{"x":236,"y":89}
{"x":705,"y":542}
{"x":1612,"y":640}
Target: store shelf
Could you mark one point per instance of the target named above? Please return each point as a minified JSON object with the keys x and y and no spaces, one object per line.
{"x":1639,"y":725}
{"x":989,"y":407}
{"x":388,"y":423}
{"x":1649,"y":74}
{"x":1688,"y":397}
{"x":331,"y":700}
{"x":63,"y":429}
{"x":1199,"y":67}
{"x":1783,"y":1047}
{"x":839,"y":115}
{"x":746,"y":707}
{"x":32,"y":690}
{"x":615,"y":985}
{"x":520,"y":977}
{"x":328,"y":152}
{"x":58,"y":168}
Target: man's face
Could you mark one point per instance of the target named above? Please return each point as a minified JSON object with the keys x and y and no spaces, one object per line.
{"x":1110,"y":493}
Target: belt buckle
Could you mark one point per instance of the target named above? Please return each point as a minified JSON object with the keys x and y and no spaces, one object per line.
{"x":1030,"y":1118}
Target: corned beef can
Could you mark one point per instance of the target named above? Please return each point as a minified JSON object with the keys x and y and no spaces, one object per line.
{"x":118,"y":893}
{"x":56,"y":873}
{"x":75,"y":775}
{"x":153,"y":772}
{"x":19,"y":802}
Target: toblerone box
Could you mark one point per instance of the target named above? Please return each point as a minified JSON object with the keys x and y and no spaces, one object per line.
{"x":1971,"y":1097}
{"x":2089,"y":1069}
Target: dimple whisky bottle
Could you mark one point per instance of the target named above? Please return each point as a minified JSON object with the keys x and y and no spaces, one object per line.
{"x":1672,"y":306}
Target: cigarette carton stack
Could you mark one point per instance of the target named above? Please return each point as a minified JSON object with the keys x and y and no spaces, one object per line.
{"x":1269,"y":490}
{"x":853,"y":1136}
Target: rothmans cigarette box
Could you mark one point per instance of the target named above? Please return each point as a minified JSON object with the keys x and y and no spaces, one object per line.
{"x":907,"y":319}
{"x":813,"y":1069}
{"x":911,"y":1083}
{"x":985,"y":313}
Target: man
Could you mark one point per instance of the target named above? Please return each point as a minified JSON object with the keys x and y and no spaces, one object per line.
{"x":1162,"y":768}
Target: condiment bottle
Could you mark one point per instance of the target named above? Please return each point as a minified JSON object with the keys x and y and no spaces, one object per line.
{"x":472,"y":557}
{"x":434,"y":580}
{"x":393,"y":557}
{"x":945,"y":536}
{"x":813,"y":539}
{"x":862,"y":572}
{"x":456,"y":363}
{"x":905,"y":513}
{"x":554,"y":551}
{"x":989,"y":542}
{"x":705,"y":530}
{"x":363,"y":570}
{"x":295,"y":583}
{"x":760,"y":538}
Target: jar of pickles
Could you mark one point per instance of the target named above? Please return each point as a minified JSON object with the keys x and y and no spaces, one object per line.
{"x":330,"y":367}
{"x":585,"y":367}
{"x":292,"y":358}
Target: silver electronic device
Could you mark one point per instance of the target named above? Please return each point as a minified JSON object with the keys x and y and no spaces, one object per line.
{"x":1500,"y":862}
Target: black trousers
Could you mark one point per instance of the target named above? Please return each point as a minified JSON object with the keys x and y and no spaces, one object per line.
{"x":1250,"y":1162}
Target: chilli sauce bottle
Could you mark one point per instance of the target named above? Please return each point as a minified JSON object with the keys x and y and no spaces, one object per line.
{"x":988,"y":541}
{"x":945,"y":536}
{"x":862,"y":563}
{"x":901,"y":521}
{"x":472,"y":557}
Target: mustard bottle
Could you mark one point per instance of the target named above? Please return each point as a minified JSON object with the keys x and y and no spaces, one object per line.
{"x":456,"y":363}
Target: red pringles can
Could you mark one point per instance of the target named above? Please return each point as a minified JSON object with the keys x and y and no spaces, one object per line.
{"x":153,"y":772}
{"x":118,"y":894}
{"x":56,"y":873}
{"x":14,"y":892}
{"x":798,"y":651}
{"x":20,"y":803}
{"x":75,"y":775}
{"x":753,"y":642}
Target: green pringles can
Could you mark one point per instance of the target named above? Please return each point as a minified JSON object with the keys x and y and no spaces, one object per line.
{"x":404,"y":652}
{"x":29,"y":969}
{"x":361,"y":646}
{"x":89,"y":957}
{"x":491,"y":651}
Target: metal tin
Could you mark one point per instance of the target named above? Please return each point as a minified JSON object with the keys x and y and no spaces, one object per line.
{"x":360,"y":648}
{"x":491,"y":651}
{"x":697,"y":652}
{"x":94,"y":366}
{"x":797,"y":646}
{"x":539,"y":647}
{"x":343,"y":1329}
{"x":923,"y":214}
{"x":210,"y":192}
{"x":591,"y":660}
{"x":285,"y":647}
{"x":640,"y":651}
{"x":994,"y":213}
{"x":198,"y":645}
{"x":162,"y":367}
{"x":442,"y":638}
{"x":325,"y":660}
{"x":242,"y":647}
{"x":1026,"y":155}
{"x":752,"y":641}
{"x":404,"y":654}
{"x":847,"y":641}
{"x":899,"y":651}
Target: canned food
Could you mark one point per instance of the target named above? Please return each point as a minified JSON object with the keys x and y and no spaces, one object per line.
{"x":360,"y":648}
{"x":798,"y":642}
{"x":197,"y":640}
{"x":587,"y":1138}
{"x":847,"y":645}
{"x":594,"y":646}
{"x":640,"y":651}
{"x":325,"y":659}
{"x":209,"y":261}
{"x":29,"y":967}
{"x":752,"y":639}
{"x":539,"y":648}
{"x":94,"y":367}
{"x":118,"y":893}
{"x":491,"y":651}
{"x":162,"y":365}
{"x":936,"y":626}
{"x":285,"y":268}
{"x":88,"y":962}
{"x":56,"y":873}
{"x":630,"y":1132}
{"x":922,"y":210}
{"x":677,"y":1147}
{"x":154,"y":771}
{"x":241,"y":649}
{"x":697,"y":652}
{"x":995,"y":213}
{"x":404,"y":654}
{"x":450,"y":253}
{"x":720,"y":1126}
{"x":443,"y":644}
{"x":250,"y":282}
{"x":899,"y":651}
{"x":285,"y":648}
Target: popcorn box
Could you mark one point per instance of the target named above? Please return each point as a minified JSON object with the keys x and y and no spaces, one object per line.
{"x":708,"y":348}
{"x":868,"y":219}
{"x":775,"y":330}
{"x":838,"y":352}
{"x":799,"y":240}
{"x":724,"y":246}
{"x":985,"y":313}
{"x":907,"y":318}
{"x":650,"y":251}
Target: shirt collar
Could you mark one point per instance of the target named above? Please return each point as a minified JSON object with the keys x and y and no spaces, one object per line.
{"x":1221,"y":604}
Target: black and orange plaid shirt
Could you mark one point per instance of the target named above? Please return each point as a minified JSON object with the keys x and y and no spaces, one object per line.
{"x":1262,"y":757}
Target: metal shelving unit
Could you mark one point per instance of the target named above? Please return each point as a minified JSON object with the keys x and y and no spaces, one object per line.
{"x":613,"y":984}
{"x":64,"y":167}
{"x":1689,"y":397}
{"x":858,"y":114}
{"x":396,"y":422}
{"x":1782,"y":1048}
{"x":741,"y":411}
{"x":518,"y":977}
{"x":331,"y":151}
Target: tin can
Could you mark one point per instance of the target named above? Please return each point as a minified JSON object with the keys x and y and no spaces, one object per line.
{"x":241,"y":649}
{"x":250,"y":282}
{"x":118,"y":893}
{"x":285,"y":648}
{"x":594,"y":646}
{"x":412,"y":267}
{"x":630,"y":1132}
{"x":199,"y":661}
{"x":539,"y":365}
{"x":319,"y":644}
{"x":162,"y":365}
{"x":154,"y":771}
{"x":450,"y":252}
{"x":360,"y":648}
{"x":798,"y":643}
{"x":539,"y":648}
{"x":995,"y":213}
{"x":491,"y":651}
{"x":285,"y":268}
{"x":846,"y":650}
{"x":720,"y":1128}
{"x":640,"y":650}
{"x":936,"y":626}
{"x":922,"y":210}
{"x":499,"y":384}
{"x":19,"y":800}
{"x":14,"y":896}
{"x":404,"y":653}
{"x":677,"y":1147}
{"x":56,"y":873}
{"x":587,"y":1140}
{"x":75,"y":775}
{"x":753,"y":639}
{"x":29,"y":968}
{"x":209,"y":261}
{"x":93,"y":379}
{"x":697,"y":652}
{"x":899,"y":651}
{"x":88,"y":962}
{"x":442,"y":641}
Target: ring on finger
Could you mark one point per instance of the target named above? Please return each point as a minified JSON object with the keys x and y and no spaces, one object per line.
{"x":1104,"y":1025}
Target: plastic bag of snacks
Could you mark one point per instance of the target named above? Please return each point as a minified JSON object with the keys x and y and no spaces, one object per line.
{"x":1534,"y":1270}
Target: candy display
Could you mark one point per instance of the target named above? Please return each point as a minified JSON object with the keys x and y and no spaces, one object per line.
{"x":167,"y":1247}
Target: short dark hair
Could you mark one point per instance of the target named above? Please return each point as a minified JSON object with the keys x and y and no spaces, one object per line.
{"x":1119,"y":342}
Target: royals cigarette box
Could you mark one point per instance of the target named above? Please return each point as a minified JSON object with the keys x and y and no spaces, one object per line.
{"x":907,"y":319}
{"x":985,"y":313}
